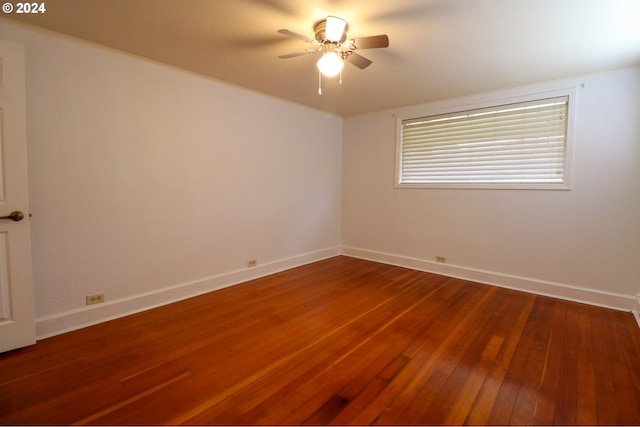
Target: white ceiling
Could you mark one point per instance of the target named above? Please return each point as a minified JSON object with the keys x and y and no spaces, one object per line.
{"x":438,"y":49}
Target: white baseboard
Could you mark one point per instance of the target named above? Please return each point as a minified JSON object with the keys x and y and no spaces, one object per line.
{"x":59,"y":323}
{"x":526,"y":284}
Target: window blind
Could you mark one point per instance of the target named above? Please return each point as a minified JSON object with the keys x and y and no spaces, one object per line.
{"x":510,"y":144}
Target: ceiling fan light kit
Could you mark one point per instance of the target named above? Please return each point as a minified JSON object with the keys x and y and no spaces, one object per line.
{"x":330,"y":64}
{"x":331,"y":39}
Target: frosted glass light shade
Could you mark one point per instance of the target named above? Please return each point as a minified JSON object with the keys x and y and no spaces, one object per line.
{"x":335,"y":28}
{"x":330,"y":64}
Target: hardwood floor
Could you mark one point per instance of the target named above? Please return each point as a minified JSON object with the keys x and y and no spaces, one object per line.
{"x":341,"y":341}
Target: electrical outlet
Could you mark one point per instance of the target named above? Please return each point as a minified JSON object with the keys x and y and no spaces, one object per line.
{"x":252,"y":263}
{"x":440,"y":258}
{"x":95,"y":299}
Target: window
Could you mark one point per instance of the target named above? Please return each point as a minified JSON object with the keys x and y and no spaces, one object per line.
{"x":516,"y":145}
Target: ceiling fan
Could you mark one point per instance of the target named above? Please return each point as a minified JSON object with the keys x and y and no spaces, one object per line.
{"x":331,"y":39}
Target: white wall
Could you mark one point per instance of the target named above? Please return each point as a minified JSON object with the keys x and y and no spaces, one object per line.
{"x":581,"y":244}
{"x":148,"y":183}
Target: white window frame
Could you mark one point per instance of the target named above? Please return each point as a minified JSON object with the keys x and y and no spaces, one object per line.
{"x":569,"y":92}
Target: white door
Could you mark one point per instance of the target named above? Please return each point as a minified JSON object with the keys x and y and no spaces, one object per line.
{"x":17,"y":323}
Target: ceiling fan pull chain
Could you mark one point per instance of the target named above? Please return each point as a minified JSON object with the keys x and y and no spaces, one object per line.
{"x":319,"y":83}
{"x":340,"y":82}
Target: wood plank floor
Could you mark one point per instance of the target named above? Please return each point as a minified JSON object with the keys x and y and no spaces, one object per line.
{"x":341,"y":341}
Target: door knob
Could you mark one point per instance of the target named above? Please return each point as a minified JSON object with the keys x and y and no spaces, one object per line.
{"x":14,"y":216}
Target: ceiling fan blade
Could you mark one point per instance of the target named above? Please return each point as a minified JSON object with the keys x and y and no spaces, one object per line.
{"x":295,"y":35}
{"x":372,"y":42}
{"x":359,"y":60}
{"x":293,"y":55}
